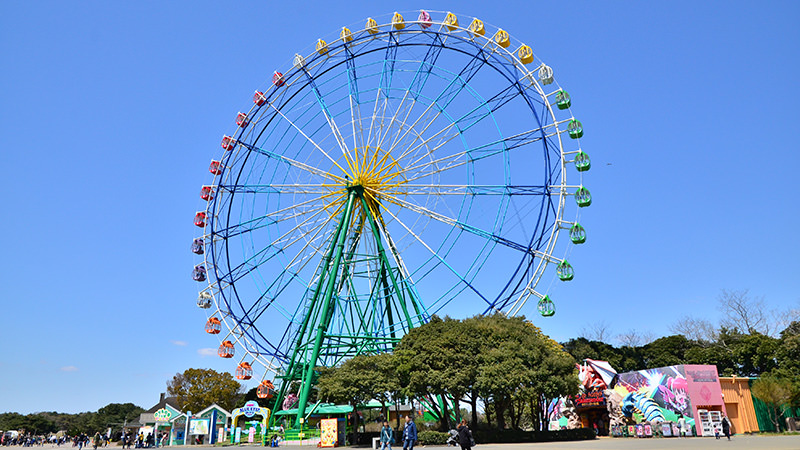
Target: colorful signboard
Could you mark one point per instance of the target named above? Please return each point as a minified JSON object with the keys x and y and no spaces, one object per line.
{"x":328,"y":432}
{"x":590,"y":399}
{"x":250,"y":409}
{"x":163,"y":415}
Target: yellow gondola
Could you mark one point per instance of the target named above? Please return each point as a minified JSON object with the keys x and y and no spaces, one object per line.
{"x":525,"y":54}
{"x":501,"y":38}
{"x":371,"y":26}
{"x":322,"y":47}
{"x":346,"y":35}
{"x":451,"y":21}
{"x":397,"y":21}
{"x":476,"y":27}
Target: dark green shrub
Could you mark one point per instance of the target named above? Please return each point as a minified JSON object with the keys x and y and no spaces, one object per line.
{"x":432,"y":438}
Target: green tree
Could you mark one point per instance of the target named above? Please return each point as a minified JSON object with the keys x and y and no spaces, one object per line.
{"x":357,"y":381}
{"x":788,"y":352}
{"x":625,"y":359}
{"x":666,"y":351}
{"x":776,"y":392}
{"x":115,"y":415}
{"x":196,"y":389}
{"x":432,"y":364}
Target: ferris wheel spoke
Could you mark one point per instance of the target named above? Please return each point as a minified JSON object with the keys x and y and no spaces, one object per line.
{"x":355,"y":103}
{"x":269,"y":251}
{"x":293,"y":273}
{"x":467,"y":189}
{"x":436,"y":255}
{"x":323,"y":190}
{"x":311,"y":141}
{"x":297,"y":164}
{"x":486,"y":109}
{"x":459,"y":224}
{"x":497,"y":147}
{"x":387,"y":72}
{"x":417,"y":83}
{"x":449,"y":93}
{"x":263,"y":256}
{"x":329,"y":118}
{"x":270,"y":219}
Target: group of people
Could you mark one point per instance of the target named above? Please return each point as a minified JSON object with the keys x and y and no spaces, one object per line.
{"x":686,"y":430}
{"x":142,"y":441}
{"x":80,"y":440}
{"x":464,"y":434}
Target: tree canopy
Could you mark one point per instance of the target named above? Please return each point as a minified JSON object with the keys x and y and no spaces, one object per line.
{"x":196,"y":389}
{"x":507,"y":362}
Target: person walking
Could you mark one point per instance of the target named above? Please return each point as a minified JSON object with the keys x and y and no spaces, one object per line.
{"x":387,"y":436}
{"x":681,"y":427}
{"x":726,"y":427}
{"x":409,"y":434}
{"x":464,"y":436}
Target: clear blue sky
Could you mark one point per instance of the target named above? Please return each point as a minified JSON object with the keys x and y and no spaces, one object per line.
{"x":111,"y":111}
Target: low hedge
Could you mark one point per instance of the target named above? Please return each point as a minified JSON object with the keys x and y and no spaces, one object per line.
{"x":509,"y":436}
{"x":432,"y":437}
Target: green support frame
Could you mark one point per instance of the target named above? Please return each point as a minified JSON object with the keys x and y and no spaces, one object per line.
{"x":398,"y":299}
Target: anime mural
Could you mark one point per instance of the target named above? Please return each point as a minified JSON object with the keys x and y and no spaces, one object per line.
{"x":655,"y":395}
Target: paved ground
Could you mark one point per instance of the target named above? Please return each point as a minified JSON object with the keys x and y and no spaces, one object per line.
{"x":736,"y":443}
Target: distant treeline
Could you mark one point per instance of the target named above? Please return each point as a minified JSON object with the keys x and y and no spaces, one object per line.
{"x":113,"y":416}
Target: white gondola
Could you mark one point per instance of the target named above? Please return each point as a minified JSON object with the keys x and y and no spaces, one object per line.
{"x":204,"y":300}
{"x":545,"y":74}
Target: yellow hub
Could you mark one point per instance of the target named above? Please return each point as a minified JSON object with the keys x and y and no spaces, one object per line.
{"x":377,"y":172}
{"x":374,"y":170}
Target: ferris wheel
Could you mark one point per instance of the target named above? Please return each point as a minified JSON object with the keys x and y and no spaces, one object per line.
{"x":414,"y":166}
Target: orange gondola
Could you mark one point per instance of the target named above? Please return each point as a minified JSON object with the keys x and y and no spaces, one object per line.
{"x":213,"y":326}
{"x":226,"y":349}
{"x":266,"y":389}
{"x":244,"y":371}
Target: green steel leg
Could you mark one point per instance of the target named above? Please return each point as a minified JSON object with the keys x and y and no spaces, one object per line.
{"x":325,"y":316}
{"x":385,"y":260}
{"x":301,"y":332}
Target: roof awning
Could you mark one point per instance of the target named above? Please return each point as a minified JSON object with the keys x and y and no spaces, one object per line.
{"x":326,"y":408}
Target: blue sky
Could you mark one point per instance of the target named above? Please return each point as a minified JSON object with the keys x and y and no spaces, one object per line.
{"x":111,"y":112}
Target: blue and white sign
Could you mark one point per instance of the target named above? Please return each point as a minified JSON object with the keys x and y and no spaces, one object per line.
{"x":250,"y":409}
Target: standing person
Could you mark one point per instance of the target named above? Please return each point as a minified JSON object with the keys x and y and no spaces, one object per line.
{"x":726,"y":427}
{"x":687,"y":430}
{"x":409,"y":434}
{"x":464,"y":436}
{"x":96,"y":441}
{"x":681,"y":427}
{"x":387,"y":436}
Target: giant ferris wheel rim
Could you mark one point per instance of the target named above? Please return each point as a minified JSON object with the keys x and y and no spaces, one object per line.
{"x":251,"y":333}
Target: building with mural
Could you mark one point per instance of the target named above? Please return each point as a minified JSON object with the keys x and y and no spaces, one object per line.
{"x":650,"y":402}
{"x":664,"y":394}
